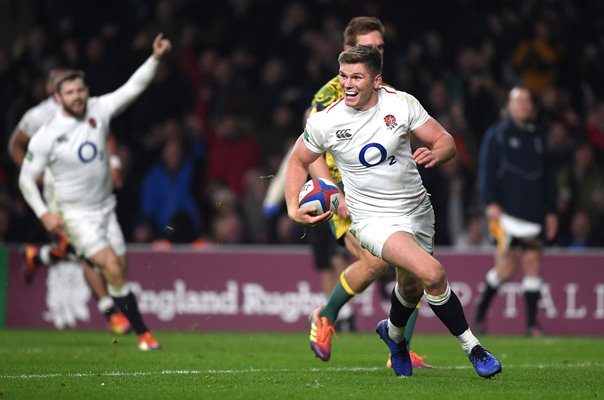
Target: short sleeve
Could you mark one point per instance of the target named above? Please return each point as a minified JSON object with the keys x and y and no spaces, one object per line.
{"x":312,"y":137}
{"x":417,"y":113}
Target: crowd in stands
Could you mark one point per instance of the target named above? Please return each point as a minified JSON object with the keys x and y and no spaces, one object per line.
{"x":199,"y":147}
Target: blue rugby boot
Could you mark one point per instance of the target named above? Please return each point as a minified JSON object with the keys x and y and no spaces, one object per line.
{"x":399,"y":355}
{"x":485,"y":364}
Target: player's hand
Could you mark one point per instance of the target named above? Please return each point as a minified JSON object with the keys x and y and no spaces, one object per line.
{"x":424,"y":156}
{"x":493,"y":211}
{"x":116,"y":177}
{"x":52,"y":222}
{"x":342,"y":210}
{"x":161,"y":46}
{"x":551,"y":226}
{"x":305,"y":216}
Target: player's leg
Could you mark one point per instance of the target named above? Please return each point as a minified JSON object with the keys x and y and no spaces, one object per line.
{"x":402,"y":249}
{"x":505,"y":266}
{"x":113,"y":268}
{"x":34,"y":256}
{"x":531,"y":286}
{"x":356,"y":278}
{"x":32,"y":260}
{"x":116,"y":321}
{"x":123,"y":297}
{"x":345,"y":318}
{"x":404,"y":299}
{"x":353,"y":280}
{"x":329,"y":266}
{"x":98,"y":237}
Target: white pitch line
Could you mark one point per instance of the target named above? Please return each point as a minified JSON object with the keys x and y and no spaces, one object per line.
{"x":264,"y":370}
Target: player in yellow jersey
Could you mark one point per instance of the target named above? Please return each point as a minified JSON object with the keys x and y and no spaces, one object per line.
{"x":367,"y":268}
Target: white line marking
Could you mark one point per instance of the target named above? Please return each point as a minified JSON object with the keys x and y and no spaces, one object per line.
{"x":265,"y":370}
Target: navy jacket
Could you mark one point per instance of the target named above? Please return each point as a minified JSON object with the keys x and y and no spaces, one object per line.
{"x":516,"y":171}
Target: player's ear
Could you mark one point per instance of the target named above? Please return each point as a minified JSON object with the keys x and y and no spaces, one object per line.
{"x":377,"y":81}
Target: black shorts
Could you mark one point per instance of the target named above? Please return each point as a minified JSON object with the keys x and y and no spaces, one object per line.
{"x":524,"y":244}
{"x":324,"y":246}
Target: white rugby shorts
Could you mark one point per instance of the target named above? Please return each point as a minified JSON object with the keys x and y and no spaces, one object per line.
{"x":372,"y":233}
{"x":90,"y":231}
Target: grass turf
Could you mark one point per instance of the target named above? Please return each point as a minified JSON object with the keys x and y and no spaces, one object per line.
{"x":93,"y":364}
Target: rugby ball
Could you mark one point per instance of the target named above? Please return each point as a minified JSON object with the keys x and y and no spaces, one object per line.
{"x":321,"y":194}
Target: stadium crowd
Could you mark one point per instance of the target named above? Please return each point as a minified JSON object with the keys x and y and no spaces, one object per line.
{"x":200,"y":145}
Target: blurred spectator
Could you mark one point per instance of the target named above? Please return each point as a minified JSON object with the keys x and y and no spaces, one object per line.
{"x":474,"y":237}
{"x":584,"y":180}
{"x":537,"y":57}
{"x":227,"y":223}
{"x":5,"y":222}
{"x":143,"y":231}
{"x":256,"y":184}
{"x":580,"y":231}
{"x":226,"y":63}
{"x":166,"y":191}
{"x":233,"y":152}
{"x":595,"y":128}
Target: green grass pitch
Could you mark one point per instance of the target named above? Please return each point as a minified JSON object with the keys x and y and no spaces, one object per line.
{"x":95,"y":364}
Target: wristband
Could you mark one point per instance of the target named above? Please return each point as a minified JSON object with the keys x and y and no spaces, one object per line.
{"x":114,"y":161}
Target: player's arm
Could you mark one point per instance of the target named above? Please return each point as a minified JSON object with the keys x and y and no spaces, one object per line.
{"x":118,"y":100}
{"x":297,"y":172}
{"x":34,"y":163}
{"x":488,"y":161}
{"x":115,"y":163}
{"x":440,"y":144}
{"x":551,"y":189}
{"x":17,"y":146}
{"x":319,"y":169}
{"x":275,"y":194}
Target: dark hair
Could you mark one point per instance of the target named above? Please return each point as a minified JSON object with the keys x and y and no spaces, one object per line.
{"x":367,"y":55}
{"x":67,"y":76}
{"x":359,"y":26}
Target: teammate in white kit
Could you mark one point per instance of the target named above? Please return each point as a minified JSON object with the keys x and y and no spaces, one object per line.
{"x":73,"y":145}
{"x":48,"y":254}
{"x":368,"y":133}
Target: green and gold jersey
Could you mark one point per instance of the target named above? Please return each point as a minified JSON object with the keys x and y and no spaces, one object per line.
{"x":324,"y":97}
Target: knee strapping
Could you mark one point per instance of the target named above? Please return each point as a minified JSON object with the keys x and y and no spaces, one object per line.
{"x":440,"y":299}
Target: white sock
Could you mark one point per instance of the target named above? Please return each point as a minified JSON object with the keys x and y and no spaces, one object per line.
{"x":467,"y":341}
{"x":532,"y":284}
{"x":118,"y":291}
{"x":346,"y":311}
{"x":104,"y":304}
{"x":396,"y":333}
{"x":44,"y":254}
{"x":492,"y":279}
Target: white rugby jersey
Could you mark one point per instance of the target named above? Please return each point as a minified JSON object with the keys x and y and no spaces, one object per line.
{"x":373,"y":153}
{"x":35,"y":117}
{"x":75,"y":149}
{"x":31,"y":122}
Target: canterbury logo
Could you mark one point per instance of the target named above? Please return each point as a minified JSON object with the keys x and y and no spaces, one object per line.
{"x":343,"y":134}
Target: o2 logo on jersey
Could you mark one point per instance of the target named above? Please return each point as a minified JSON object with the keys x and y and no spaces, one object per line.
{"x":87,"y":152}
{"x":369,"y":151}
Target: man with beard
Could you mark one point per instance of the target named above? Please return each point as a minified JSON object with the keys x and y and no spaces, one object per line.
{"x":73,"y":146}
